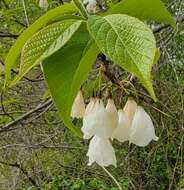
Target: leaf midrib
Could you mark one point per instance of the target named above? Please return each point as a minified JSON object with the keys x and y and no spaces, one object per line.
{"x":113,"y":28}
{"x":42,"y":57}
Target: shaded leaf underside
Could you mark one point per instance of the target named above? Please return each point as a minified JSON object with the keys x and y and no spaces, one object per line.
{"x":66,"y":70}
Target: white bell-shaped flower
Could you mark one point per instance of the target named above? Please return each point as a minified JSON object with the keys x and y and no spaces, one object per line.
{"x":101,"y":151}
{"x":130,"y":108}
{"x":89,"y":109}
{"x":78,"y":107}
{"x":122,"y":132}
{"x":97,"y":122}
{"x":43,"y":4}
{"x":89,"y":119}
{"x":142,"y":129}
{"x":112,"y":113}
{"x":91,"y":6}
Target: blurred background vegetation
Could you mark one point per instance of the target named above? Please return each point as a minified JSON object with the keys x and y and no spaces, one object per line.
{"x":38,"y":152}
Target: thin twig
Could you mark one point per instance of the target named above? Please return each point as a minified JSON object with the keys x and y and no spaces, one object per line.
{"x":175,"y":166}
{"x":8,"y":35}
{"x":160,"y":27}
{"x":25,"y":116}
{"x":25,"y":12}
{"x":16,"y":165}
{"x":39,"y":146}
{"x":2,"y":106}
{"x":113,"y":178}
{"x":28,"y":79}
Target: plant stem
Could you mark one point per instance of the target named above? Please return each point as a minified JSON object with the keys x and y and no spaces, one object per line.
{"x":25,"y":12}
{"x":113,"y":178}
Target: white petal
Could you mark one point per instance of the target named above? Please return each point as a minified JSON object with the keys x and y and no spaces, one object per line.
{"x":130,"y":108}
{"x":43,"y":4}
{"x":103,"y":123}
{"x":78,"y":108}
{"x":85,"y":2}
{"x":97,"y":122}
{"x":90,"y":106}
{"x":88,"y":117}
{"x":101,"y":151}
{"x":112,"y":113}
{"x":89,"y":120}
{"x":90,"y":2}
{"x":142,"y":129}
{"x":92,"y":7}
{"x":122,"y":132}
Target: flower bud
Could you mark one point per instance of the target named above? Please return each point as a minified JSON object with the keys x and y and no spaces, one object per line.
{"x":142,"y":129}
{"x":101,"y":151}
{"x":78,"y":108}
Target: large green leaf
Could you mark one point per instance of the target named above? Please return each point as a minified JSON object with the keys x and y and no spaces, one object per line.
{"x":37,"y":25}
{"x":45,"y":43}
{"x":128,"y":42}
{"x":67,"y":69}
{"x":153,"y":10}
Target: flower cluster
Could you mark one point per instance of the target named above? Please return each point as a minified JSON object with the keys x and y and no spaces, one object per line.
{"x":105,"y":123}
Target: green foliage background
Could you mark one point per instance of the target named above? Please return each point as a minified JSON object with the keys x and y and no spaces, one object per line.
{"x":50,"y":155}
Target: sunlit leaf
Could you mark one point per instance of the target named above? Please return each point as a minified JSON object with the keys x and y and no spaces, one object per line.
{"x":152,"y":10}
{"x":128,"y":42}
{"x":44,"y":43}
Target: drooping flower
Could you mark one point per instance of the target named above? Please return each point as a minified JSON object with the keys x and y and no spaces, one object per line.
{"x":78,"y":108}
{"x":43,"y":4}
{"x":142,"y":129}
{"x":90,"y":106}
{"x":130,"y":108}
{"x":87,"y":115}
{"x":97,"y":122}
{"x":91,"y":7}
{"x":101,"y":151}
{"x":89,"y":120}
{"x":112,"y":113}
{"x":122,"y":132}
{"x":134,"y":125}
